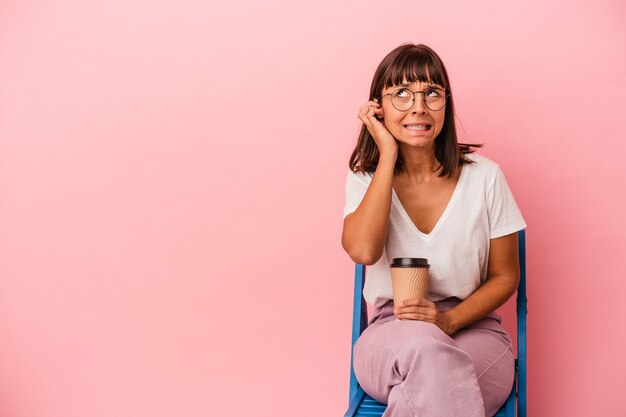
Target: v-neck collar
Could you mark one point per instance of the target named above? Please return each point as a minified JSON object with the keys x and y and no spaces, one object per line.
{"x":443,"y":216}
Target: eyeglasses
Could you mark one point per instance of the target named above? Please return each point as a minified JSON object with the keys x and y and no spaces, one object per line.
{"x":403,"y":98}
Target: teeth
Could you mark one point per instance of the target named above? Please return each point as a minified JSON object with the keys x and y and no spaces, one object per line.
{"x":417,"y":127}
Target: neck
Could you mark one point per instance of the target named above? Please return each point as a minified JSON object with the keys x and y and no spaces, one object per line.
{"x":420,"y":164}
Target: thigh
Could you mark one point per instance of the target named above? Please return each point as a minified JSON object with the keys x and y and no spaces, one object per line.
{"x":383,"y":354}
{"x":392,"y":334}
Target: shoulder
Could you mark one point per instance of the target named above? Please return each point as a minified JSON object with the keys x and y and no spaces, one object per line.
{"x":358,"y":176}
{"x":481,"y":166}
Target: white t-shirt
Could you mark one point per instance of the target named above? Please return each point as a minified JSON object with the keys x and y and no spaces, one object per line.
{"x":481,"y":208}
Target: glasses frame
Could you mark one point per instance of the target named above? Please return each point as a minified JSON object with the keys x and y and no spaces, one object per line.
{"x":445,"y":97}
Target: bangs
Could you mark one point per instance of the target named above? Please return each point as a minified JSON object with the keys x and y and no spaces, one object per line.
{"x":414,"y":65}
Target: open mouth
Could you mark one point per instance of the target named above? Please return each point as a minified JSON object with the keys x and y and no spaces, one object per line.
{"x":418,"y":126}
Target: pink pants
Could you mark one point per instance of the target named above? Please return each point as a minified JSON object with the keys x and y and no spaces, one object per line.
{"x":419,"y":371}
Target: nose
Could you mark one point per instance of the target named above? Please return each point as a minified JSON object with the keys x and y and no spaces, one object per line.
{"x":419,"y":107}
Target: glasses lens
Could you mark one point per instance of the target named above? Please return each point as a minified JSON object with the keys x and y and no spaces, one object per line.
{"x":435,"y":99}
{"x":402,"y":99}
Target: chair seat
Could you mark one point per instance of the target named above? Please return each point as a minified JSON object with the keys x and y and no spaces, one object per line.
{"x":362,"y":405}
{"x":370,"y":407}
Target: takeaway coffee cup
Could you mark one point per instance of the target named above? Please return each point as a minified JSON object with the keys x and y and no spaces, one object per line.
{"x":409,"y":278}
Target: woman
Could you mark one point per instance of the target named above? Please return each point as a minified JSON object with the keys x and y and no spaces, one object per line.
{"x":414,"y":191}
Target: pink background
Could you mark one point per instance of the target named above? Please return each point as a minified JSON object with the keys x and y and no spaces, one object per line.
{"x":171,"y":187}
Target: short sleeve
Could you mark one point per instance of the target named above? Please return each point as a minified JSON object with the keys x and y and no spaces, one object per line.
{"x":356,"y":187}
{"x":504,"y":215}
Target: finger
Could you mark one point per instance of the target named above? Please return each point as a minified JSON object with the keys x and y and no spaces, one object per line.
{"x":375,"y":105}
{"x":365,"y":109}
{"x":410,"y":302}
{"x":363,"y":116}
{"x":373,"y":114}
{"x":425,"y":302}
{"x":369,"y":104}
{"x":414,"y":306}
{"x":415,"y":316}
{"x":367,"y":121}
{"x":427,"y":311}
{"x":373,"y":118}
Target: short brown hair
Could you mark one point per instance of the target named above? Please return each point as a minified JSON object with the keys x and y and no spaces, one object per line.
{"x":410,"y":62}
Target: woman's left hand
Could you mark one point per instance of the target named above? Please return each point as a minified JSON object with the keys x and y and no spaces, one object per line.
{"x":424,"y":310}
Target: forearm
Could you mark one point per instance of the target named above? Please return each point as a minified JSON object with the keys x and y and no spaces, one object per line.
{"x":365,"y":230}
{"x":488,"y":297}
{"x":501,"y":283}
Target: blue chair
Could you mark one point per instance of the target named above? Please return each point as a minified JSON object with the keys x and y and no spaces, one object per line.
{"x":362,"y":405}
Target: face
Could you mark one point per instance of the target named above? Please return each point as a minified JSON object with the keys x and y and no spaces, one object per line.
{"x":418,"y":126}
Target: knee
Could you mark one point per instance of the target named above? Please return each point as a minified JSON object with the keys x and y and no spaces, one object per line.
{"x":496,"y":382}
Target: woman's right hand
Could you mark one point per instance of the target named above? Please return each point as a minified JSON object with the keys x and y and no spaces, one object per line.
{"x":385,"y":141}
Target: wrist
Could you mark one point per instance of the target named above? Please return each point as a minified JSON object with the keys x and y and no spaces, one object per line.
{"x":452,"y":322}
{"x":390,"y":155}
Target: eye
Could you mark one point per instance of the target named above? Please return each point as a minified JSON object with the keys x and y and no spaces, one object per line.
{"x":434,"y":92}
{"x":402,"y":93}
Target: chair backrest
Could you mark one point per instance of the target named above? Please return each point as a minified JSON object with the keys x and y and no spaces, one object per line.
{"x":522,"y":310}
{"x":360,"y":321}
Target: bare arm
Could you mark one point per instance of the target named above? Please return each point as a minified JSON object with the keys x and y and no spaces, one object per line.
{"x":502,"y":281}
{"x":365,"y":230}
